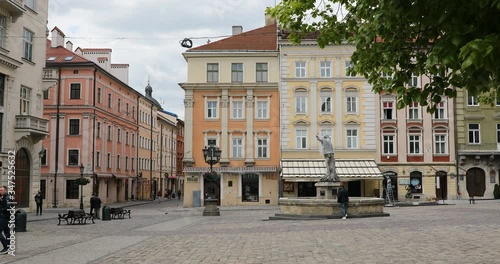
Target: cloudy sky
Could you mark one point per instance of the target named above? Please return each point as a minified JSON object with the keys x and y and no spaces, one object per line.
{"x":146,"y":34}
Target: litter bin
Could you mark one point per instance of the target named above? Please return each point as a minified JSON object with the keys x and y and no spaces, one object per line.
{"x":106,"y":213}
{"x":21,"y":219}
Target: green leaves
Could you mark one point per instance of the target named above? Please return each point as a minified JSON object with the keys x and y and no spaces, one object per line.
{"x":456,"y":42}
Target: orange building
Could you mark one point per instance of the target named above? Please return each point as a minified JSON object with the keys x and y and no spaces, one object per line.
{"x":93,"y":122}
{"x":231,"y":88}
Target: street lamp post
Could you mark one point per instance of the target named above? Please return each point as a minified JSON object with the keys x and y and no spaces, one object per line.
{"x":81,"y":186}
{"x":212,"y":156}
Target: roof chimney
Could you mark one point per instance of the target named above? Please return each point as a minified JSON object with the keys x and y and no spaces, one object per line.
{"x":57,"y":38}
{"x":237,"y":30}
{"x":270,"y":20}
{"x":69,"y":45}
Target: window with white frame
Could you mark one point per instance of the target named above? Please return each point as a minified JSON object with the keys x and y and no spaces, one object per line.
{"x":212,"y":72}
{"x":474,"y":134}
{"x":440,"y":112}
{"x":348,"y":67}
{"x":300,"y":69}
{"x":109,"y":132}
{"x":43,"y":160}
{"x":119,"y":105}
{"x":472,"y":100}
{"x":325,"y":69}
{"x":262,"y":148}
{"x":326,"y":132}
{"x":73,"y":157}
{"x":109,"y":101}
{"x":414,"y":144}
{"x":413,"y":81}
{"x":351,"y":104}
{"x":75,"y":91}
{"x":261,"y":72}
{"x":326,"y":104}
{"x":108,"y":161}
{"x":237,"y":72}
{"x":388,"y":110}
{"x":211,"y":142}
{"x":300,"y":102}
{"x":414,"y":110}
{"x":352,"y":138}
{"x":237,"y":109}
{"x":388,"y":144}
{"x":118,"y":135}
{"x":3,"y":30}
{"x":118,"y":162}
{"x":498,"y":133}
{"x":301,"y":138}
{"x":440,"y":143}
{"x":212,"y":107}
{"x":126,"y":137}
{"x":25,"y":98}
{"x":237,"y":148}
{"x":262,"y":109}
{"x":28,"y":44}
{"x":126,"y":162}
{"x":132,"y":164}
{"x":74,"y":127}
{"x":98,"y":159}
{"x":133,"y":140}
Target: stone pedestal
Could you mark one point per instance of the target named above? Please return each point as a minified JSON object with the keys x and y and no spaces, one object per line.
{"x":211,"y":208}
{"x":327,"y":190}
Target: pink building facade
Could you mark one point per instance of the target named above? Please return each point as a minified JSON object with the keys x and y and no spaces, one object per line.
{"x":92,"y":115}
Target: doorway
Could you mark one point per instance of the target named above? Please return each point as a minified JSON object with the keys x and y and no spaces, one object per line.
{"x":211,"y":188}
{"x":354,"y":188}
{"x":393,"y":183}
{"x":441,"y":185}
{"x":22,"y":182}
{"x":476,"y":182}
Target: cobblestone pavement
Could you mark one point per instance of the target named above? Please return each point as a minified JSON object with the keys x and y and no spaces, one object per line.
{"x":460,"y":233}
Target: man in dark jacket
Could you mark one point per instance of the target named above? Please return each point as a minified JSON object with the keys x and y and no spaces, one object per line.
{"x":343,"y":199}
{"x":95,"y":205}
{"x":4,"y":219}
{"x":39,"y":202}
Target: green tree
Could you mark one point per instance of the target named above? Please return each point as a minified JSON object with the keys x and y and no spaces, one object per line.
{"x":455,"y":43}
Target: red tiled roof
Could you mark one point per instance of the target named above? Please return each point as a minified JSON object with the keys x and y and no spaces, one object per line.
{"x":263,"y":38}
{"x":60,"y":53}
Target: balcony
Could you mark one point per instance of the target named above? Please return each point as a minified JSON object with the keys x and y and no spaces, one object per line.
{"x":50,"y":78}
{"x":15,"y":8}
{"x":36,"y":128}
{"x":479,"y":149}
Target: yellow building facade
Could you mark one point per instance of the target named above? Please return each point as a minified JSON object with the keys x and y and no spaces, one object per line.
{"x":320,"y":97}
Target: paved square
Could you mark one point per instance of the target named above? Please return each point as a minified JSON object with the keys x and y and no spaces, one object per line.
{"x":459,"y":233}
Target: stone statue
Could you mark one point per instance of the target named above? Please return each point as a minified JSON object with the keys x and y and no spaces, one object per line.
{"x":327,"y":150}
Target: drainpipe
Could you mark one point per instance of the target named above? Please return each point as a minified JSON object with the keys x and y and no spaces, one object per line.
{"x":94,"y":175}
{"x":54,"y":205}
{"x":161,"y":158}
{"x":457,"y":157}
{"x":151,"y":152}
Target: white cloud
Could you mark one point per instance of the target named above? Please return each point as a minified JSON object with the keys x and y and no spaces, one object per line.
{"x":146,"y":34}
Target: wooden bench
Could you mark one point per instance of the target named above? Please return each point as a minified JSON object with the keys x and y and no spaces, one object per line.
{"x":119,"y":213}
{"x":76,"y":217}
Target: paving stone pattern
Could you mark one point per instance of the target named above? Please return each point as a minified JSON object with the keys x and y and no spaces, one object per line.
{"x":459,"y":233}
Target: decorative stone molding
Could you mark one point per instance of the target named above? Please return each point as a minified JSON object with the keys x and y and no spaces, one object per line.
{"x":188,"y":102}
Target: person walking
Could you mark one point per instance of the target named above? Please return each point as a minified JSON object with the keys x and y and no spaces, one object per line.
{"x":39,"y":202}
{"x":343,"y":199}
{"x":4,"y":219}
{"x":179,"y":194}
{"x":95,"y":205}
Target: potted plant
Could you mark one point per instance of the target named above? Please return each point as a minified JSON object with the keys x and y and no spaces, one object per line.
{"x":82,"y":181}
{"x":211,"y":176}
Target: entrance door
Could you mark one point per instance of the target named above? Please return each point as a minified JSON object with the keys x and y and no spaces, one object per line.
{"x":212,"y":188}
{"x":393,"y":177}
{"x":354,"y":188}
{"x":126,"y":189}
{"x":441,"y":185}
{"x":22,"y":182}
{"x":476,"y":182}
